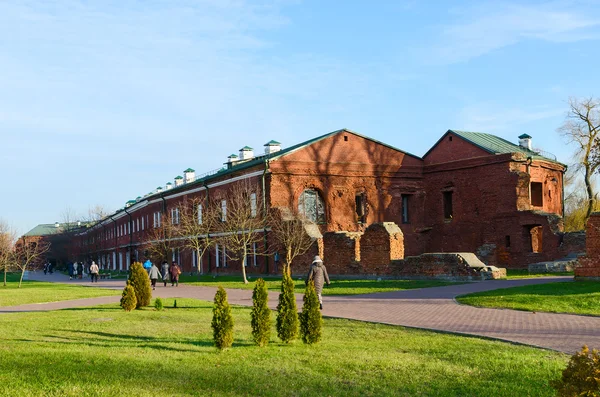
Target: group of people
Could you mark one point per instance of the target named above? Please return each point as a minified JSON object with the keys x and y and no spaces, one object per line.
{"x":166,"y":273}
{"x":76,"y":270}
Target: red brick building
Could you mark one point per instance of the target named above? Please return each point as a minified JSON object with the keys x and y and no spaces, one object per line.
{"x":471,"y":192}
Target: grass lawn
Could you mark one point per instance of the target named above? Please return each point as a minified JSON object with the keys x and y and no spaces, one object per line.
{"x":105,"y":351}
{"x":40,"y":292}
{"x":337,"y":287}
{"x":514,"y":274}
{"x":580,"y":297}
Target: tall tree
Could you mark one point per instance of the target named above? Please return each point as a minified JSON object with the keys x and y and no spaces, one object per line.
{"x":29,"y":254}
{"x":292,"y":231}
{"x":7,"y":248}
{"x":582,"y":128}
{"x":242,"y":222}
{"x":197,"y":219}
{"x":160,"y":239}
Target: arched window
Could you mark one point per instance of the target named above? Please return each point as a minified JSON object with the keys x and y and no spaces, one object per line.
{"x":310,"y":204}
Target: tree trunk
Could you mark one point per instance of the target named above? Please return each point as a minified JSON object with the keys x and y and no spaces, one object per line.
{"x":5,"y":275}
{"x":22,"y":274}
{"x":288,"y":257}
{"x":199,"y":261}
{"x":244,"y":267}
{"x":590,"y":194}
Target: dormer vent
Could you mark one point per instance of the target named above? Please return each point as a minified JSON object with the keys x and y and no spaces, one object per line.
{"x":246,"y":153}
{"x":56,"y":225}
{"x":159,"y":189}
{"x":272,"y":147}
{"x":525,"y":141}
{"x":189,"y":175}
{"x":178,"y":180}
{"x":232,"y":160}
{"x":169,"y":186}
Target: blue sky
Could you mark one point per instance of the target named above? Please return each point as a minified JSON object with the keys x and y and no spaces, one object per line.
{"x":103,"y":101}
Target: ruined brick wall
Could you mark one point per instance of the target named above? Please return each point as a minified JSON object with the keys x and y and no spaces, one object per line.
{"x":341,"y":252}
{"x":589,"y":265}
{"x":434,"y":266}
{"x":380,"y":244}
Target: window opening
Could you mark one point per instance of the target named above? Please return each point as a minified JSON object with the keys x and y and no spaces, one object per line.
{"x":310,"y":205}
{"x":361,"y":207}
{"x":405,"y":217}
{"x":537,"y":194}
{"x":448,"y":205}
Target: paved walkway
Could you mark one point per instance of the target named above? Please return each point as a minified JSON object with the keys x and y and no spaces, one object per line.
{"x":427,"y":308}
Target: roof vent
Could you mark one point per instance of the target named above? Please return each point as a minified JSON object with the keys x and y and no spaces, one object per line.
{"x":169,"y":186}
{"x":272,"y":147}
{"x":56,"y":225}
{"x":232,"y":160}
{"x":178,"y":180}
{"x":246,"y":153}
{"x":525,"y":141}
{"x":189,"y":175}
{"x":159,"y":189}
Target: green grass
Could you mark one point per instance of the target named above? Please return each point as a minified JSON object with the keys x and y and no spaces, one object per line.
{"x":337,"y":287}
{"x":515,"y":274}
{"x":40,"y":292}
{"x":581,"y":297}
{"x":105,"y":351}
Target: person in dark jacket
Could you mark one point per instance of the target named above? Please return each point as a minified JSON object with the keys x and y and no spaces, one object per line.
{"x":80,"y":270}
{"x":71,"y":269}
{"x":318,"y":273}
{"x":174,"y":271}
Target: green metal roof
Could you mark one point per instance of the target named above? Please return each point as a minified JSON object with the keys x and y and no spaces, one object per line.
{"x":232,"y":156}
{"x":524,"y":136}
{"x":189,"y":170}
{"x":246,"y":148}
{"x":43,"y":230}
{"x":272,"y":143}
{"x":178,"y":177}
{"x":496,"y":145}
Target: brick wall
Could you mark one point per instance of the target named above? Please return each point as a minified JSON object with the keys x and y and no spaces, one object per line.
{"x":589,"y":265}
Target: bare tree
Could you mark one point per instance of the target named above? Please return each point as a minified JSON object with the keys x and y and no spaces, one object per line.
{"x":7,"y":248}
{"x":29,"y":254}
{"x":96,"y":213}
{"x":292,"y":232}
{"x":242,"y":222}
{"x":582,"y":127}
{"x":197,"y":219}
{"x":161,"y":239}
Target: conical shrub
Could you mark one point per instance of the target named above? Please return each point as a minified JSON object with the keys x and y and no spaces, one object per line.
{"x":311,"y":322}
{"x":222,"y":321}
{"x":138,"y":277}
{"x":287,"y":312}
{"x":128,"y":299}
{"x":158,"y":304}
{"x":261,"y":314}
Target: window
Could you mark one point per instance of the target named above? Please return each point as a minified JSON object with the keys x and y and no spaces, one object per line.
{"x":360,"y":201}
{"x":447,"y":205}
{"x":537,"y":194}
{"x":223,"y":210}
{"x":405,"y":199}
{"x":507,"y":241}
{"x":157,"y":219}
{"x":175,"y":216}
{"x":142,"y":223}
{"x":251,"y":255}
{"x":199,"y":214}
{"x":310,"y":205}
{"x":137,"y":222}
{"x":217,"y":255}
{"x":252,"y":205}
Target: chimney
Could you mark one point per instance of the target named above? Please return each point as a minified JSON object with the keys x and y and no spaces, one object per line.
{"x":138,"y":198}
{"x":272,"y":147}
{"x":78,"y":223}
{"x":178,"y":180}
{"x":159,"y":189}
{"x":56,"y":225}
{"x":189,"y":175}
{"x":525,"y":141}
{"x":232,"y":160}
{"x":169,"y":185}
{"x":246,"y":153}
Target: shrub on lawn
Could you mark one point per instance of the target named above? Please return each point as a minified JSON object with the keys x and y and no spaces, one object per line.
{"x":582,"y":375}
{"x":128,"y":299}
{"x":287,"y":313}
{"x":158,"y":304}
{"x":261,"y":314}
{"x":141,"y":284}
{"x":311,"y":322}
{"x":222,"y":321}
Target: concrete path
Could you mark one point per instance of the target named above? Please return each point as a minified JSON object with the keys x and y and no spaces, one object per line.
{"x":427,"y":308}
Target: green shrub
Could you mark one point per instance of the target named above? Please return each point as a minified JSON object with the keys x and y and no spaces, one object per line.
{"x":582,"y":375}
{"x":222,"y":321}
{"x":128,"y":299}
{"x":311,"y":322}
{"x":175,"y":304}
{"x":287,"y":312}
{"x":158,"y":304}
{"x":261,"y":314}
{"x":141,"y":284}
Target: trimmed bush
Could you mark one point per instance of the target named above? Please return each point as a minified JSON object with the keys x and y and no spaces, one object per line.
{"x":582,"y":375}
{"x":261,"y":314}
{"x":311,"y":322}
{"x":287,"y":312}
{"x":128,"y":299}
{"x":141,"y":284}
{"x":222,"y":321}
{"x":158,"y":304}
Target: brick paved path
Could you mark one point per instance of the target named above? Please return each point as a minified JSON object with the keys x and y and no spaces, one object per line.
{"x":427,"y":308}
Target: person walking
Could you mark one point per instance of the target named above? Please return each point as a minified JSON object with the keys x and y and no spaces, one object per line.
{"x":318,"y":273}
{"x":174,"y":271}
{"x":94,"y":270}
{"x":70,"y":268}
{"x":80,"y":270}
{"x":165,"y":272}
{"x":154,"y":274}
